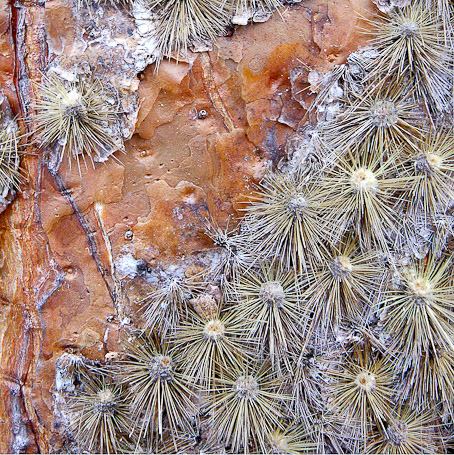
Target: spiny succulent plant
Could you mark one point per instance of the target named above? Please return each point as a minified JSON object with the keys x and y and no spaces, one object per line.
{"x":409,"y":431}
{"x":360,"y":394}
{"x":443,"y":9}
{"x":235,"y":256}
{"x":100,"y":419}
{"x":411,"y":44}
{"x":204,"y":344}
{"x":75,"y":119}
{"x":331,"y":436}
{"x":430,"y":381}
{"x":245,"y":407}
{"x":430,"y":190}
{"x":160,"y":394}
{"x":244,"y":6}
{"x":73,"y":370}
{"x":267,"y":301}
{"x":181,"y":22}
{"x":163,"y":307}
{"x":324,"y":322}
{"x":359,"y":193}
{"x":386,"y":117}
{"x":284,"y":222}
{"x":305,"y":385}
{"x":293,"y":440}
{"x":338,"y":86}
{"x":343,"y":286}
{"x":418,"y":315}
{"x":181,"y":444}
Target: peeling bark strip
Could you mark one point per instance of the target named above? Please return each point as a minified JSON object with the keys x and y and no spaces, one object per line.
{"x":18,"y":434}
{"x":213,"y":93}
{"x":88,"y":232}
{"x":121,"y":299}
{"x":24,"y":287}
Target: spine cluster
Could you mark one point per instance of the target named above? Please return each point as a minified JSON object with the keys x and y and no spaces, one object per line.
{"x":76,"y":120}
{"x":10,"y":147}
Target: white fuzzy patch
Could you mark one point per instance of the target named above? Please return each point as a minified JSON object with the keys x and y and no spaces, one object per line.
{"x":126,"y":266}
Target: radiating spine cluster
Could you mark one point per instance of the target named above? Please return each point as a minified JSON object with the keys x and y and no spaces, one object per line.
{"x":75,"y":119}
{"x":100,"y":414}
{"x":10,"y":145}
{"x":245,"y":408}
{"x":412,"y":48}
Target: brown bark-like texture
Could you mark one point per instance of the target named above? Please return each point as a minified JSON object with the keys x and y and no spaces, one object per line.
{"x":79,"y":249}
